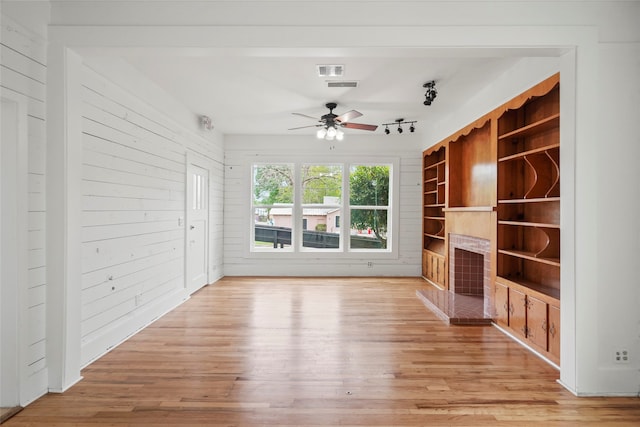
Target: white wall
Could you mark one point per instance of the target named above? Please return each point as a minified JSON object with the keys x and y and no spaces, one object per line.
{"x":241,"y":151}
{"x":23,"y":73}
{"x":133,"y":212}
{"x":618,"y":228}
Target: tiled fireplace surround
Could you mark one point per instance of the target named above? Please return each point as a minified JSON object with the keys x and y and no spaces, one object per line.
{"x":470,"y":268}
{"x":468,"y":300}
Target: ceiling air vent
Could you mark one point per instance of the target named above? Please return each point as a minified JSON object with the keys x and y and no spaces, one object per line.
{"x":330,"y":70}
{"x":342,"y":84}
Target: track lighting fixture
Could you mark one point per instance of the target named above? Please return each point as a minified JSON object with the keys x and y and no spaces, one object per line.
{"x":431,"y":92}
{"x":399,"y":122}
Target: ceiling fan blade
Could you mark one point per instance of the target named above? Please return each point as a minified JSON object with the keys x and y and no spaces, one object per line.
{"x":360,"y":126}
{"x":304,"y":127}
{"x":349,"y":115}
{"x":304,"y":115}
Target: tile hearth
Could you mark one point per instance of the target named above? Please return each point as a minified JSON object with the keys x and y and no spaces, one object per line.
{"x":456,"y":309}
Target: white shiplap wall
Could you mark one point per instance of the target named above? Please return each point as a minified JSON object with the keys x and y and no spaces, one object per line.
{"x":133,"y":210}
{"x":23,"y":72}
{"x":242,"y":151}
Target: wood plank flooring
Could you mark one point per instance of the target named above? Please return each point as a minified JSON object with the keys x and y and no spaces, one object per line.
{"x":319,"y":352}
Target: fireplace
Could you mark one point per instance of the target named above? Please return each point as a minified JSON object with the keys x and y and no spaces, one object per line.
{"x":470,"y":268}
{"x":468,"y":300}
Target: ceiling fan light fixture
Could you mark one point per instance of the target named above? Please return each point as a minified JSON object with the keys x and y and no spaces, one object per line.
{"x":339,"y":135}
{"x":331,"y":132}
{"x":321,"y":133}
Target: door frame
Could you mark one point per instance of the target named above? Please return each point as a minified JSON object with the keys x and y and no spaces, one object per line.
{"x":16,"y":301}
{"x":201,"y":162}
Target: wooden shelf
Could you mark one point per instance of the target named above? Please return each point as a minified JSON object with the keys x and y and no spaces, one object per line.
{"x":470,"y":209}
{"x":529,"y":224}
{"x":534,"y":200}
{"x":545,"y":292}
{"x":433,"y":236}
{"x":437,"y":218}
{"x":545,"y":124}
{"x":523,"y":154}
{"x":433,"y":165}
{"x":531,"y":256}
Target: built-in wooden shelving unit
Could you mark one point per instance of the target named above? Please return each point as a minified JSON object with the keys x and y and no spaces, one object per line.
{"x":528,"y":262}
{"x":433,"y":221}
{"x":499,"y":178}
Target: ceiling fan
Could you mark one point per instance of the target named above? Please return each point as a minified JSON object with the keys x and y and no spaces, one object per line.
{"x":330,"y":123}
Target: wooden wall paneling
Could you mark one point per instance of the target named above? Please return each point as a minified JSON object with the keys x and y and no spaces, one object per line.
{"x":472,"y":169}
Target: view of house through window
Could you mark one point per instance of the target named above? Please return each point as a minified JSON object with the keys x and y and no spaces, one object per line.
{"x":301,"y":207}
{"x":369,"y":206}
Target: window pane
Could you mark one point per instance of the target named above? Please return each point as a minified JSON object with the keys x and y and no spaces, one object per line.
{"x":272,"y":184}
{"x":368,"y":229}
{"x":321,"y":184}
{"x":272,"y":227}
{"x":319,"y":230}
{"x":369,"y":185}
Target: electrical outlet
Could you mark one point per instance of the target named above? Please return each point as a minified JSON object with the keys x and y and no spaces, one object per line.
{"x":621,"y":356}
{"x":369,"y":264}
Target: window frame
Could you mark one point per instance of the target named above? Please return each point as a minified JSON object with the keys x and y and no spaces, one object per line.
{"x":296,"y":250}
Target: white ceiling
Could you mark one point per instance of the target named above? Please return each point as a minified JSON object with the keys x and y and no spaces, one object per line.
{"x":255,"y":91}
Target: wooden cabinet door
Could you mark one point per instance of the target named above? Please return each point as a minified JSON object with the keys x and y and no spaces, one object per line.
{"x":440,"y":276}
{"x":554,"y":332}
{"x":434,"y":268}
{"x":518,"y":312}
{"x":537,"y":323}
{"x":502,"y":304}
{"x":425,"y":257}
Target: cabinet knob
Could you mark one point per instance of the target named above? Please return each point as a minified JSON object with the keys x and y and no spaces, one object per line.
{"x":552,"y":330}
{"x":544,"y":326}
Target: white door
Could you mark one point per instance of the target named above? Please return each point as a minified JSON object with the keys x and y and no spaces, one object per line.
{"x":197,"y":232}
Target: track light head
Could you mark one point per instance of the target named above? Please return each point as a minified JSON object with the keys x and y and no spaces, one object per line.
{"x":386,"y":130}
{"x":431,"y":92}
{"x":412,"y":128}
{"x":399,"y":129}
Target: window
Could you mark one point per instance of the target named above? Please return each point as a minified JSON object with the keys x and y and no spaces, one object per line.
{"x":321,"y":188}
{"x":369,"y":206}
{"x":272,"y":206}
{"x":300,"y":207}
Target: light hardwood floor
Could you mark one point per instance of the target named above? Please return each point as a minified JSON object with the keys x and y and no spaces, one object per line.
{"x":319,"y":352}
